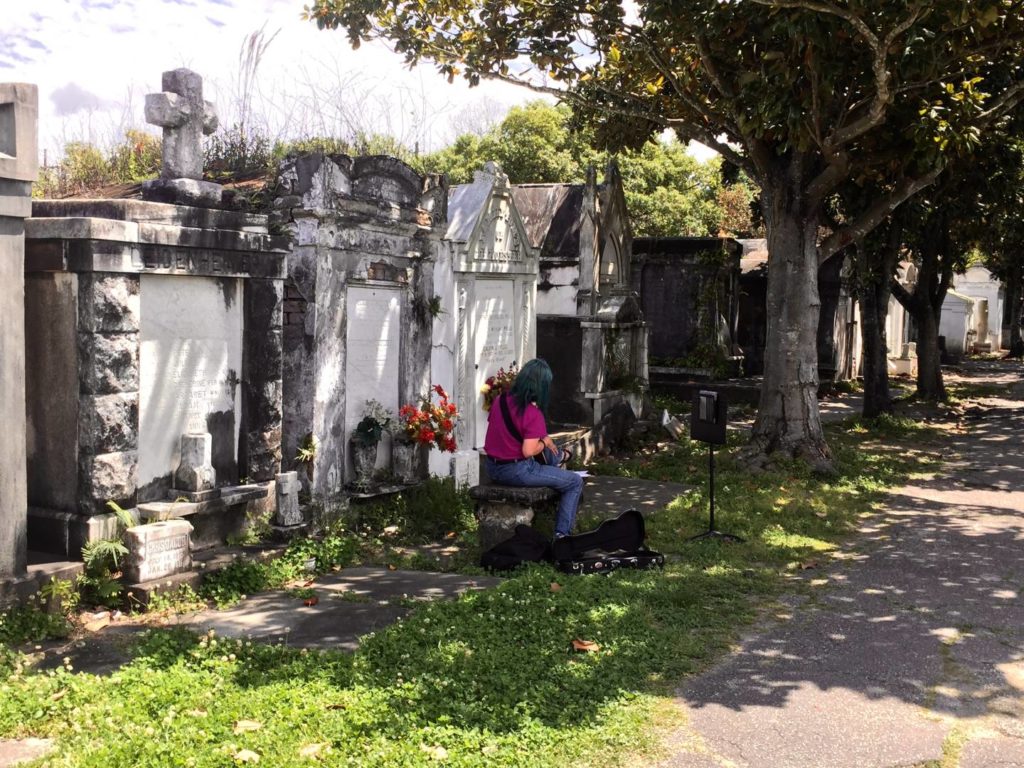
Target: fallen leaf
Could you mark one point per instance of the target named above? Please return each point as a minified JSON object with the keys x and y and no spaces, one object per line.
{"x":244,"y":726}
{"x":311,"y":601}
{"x":335,"y":568}
{"x":392,"y":567}
{"x":585,"y":646}
{"x":311,"y":750}
{"x":556,"y":587}
{"x":450,"y":535}
{"x":96,"y":626}
{"x":59,"y":695}
{"x":339,"y":705}
{"x":247,"y":756}
{"x":808,"y":564}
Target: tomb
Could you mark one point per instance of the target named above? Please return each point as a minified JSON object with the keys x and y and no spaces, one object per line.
{"x":152,"y":326}
{"x":18,"y":166}
{"x":590,"y":327}
{"x":486,"y":282}
{"x":978,"y":283}
{"x":359,"y":308}
{"x":689,"y":296}
{"x":957,"y":325}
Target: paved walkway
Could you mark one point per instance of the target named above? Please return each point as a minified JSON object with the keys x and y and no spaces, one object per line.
{"x":914,"y":652}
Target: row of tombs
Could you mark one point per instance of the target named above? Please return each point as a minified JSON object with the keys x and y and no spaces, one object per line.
{"x":178,"y":354}
{"x":186,"y":357}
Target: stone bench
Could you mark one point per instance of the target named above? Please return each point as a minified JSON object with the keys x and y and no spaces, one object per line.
{"x":500,"y":508}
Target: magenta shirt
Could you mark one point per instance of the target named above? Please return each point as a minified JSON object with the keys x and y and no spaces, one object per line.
{"x":499,"y":444}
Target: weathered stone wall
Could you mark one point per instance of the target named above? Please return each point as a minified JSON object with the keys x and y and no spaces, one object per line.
{"x":115,"y":382}
{"x":370,"y":224}
{"x":18,"y":164}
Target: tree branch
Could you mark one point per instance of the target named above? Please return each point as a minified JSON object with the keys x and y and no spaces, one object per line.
{"x":875,"y":214}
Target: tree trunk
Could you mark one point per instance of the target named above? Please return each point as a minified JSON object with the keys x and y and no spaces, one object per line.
{"x":1014,"y":297}
{"x":935,"y":272}
{"x":929,"y":364}
{"x":874,"y":308}
{"x":788,"y":419}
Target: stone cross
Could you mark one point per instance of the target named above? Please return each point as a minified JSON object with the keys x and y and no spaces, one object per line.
{"x":185,"y":117}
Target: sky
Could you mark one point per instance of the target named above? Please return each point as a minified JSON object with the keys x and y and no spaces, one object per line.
{"x":94,"y":60}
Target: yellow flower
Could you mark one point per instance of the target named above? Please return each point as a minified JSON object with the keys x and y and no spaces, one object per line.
{"x":485,"y":389}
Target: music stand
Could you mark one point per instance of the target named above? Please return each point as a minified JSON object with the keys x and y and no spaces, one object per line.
{"x":708,"y":419}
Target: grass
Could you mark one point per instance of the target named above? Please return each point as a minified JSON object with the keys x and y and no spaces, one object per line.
{"x":490,"y":678}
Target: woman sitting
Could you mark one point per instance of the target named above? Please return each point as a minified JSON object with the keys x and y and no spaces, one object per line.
{"x":517,"y":433}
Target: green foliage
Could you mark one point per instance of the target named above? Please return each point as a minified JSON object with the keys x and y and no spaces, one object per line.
{"x":100,"y":583}
{"x":86,"y":167}
{"x":244,"y":576}
{"x":45,"y":617}
{"x":236,"y":152}
{"x":668,"y":192}
{"x":137,"y":157}
{"x":424,"y":513}
{"x":488,"y":679}
{"x":180,"y":599}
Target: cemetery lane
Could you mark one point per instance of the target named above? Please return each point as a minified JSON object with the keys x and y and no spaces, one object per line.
{"x":911,"y":647}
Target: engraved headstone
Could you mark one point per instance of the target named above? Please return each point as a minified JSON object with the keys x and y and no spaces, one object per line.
{"x":288,"y":511}
{"x":372,"y":363}
{"x":494,"y":329}
{"x":157,"y":550}
{"x":190,"y":360}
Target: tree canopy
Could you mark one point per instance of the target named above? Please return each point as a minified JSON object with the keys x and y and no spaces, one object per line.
{"x":803,"y":95}
{"x":668,"y":191}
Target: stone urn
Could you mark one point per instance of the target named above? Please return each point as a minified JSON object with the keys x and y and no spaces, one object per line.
{"x":409,"y":460}
{"x":364,"y":460}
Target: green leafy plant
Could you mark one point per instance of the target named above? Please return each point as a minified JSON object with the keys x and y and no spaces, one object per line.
{"x":102,"y":557}
{"x":376,"y":419}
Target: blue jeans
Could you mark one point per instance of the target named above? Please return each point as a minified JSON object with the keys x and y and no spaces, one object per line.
{"x":531,"y":474}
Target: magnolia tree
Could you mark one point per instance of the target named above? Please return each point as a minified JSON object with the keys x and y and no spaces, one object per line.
{"x":787,"y":90}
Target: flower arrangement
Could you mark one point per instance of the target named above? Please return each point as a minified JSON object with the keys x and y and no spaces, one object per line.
{"x":376,"y":419}
{"x":498,"y":383}
{"x":430,"y":424}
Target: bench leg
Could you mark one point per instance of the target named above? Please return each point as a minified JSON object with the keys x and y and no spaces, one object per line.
{"x":498,"y":520}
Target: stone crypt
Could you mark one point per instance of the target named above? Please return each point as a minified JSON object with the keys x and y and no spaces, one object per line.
{"x":153,"y":349}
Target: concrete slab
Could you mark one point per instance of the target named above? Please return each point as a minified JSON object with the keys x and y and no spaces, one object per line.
{"x":350,"y":604}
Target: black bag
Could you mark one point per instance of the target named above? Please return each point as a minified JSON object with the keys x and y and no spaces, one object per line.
{"x":525,"y":546}
{"x":616,"y":543}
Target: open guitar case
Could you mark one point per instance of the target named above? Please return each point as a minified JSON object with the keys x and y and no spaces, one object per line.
{"x":614,"y":544}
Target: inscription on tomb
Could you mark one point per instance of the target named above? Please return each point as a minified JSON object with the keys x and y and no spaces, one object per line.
{"x":374,"y":338}
{"x":190,"y":356}
{"x":196,"y":262}
{"x":158,"y":550}
{"x":492,"y":324}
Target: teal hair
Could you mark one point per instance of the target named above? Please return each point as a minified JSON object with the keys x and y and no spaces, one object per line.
{"x":533,"y":385}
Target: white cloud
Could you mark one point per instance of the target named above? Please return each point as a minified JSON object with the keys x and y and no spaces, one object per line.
{"x":309,"y":79}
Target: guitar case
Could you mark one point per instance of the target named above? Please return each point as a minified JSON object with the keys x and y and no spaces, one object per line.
{"x":614,"y":544}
